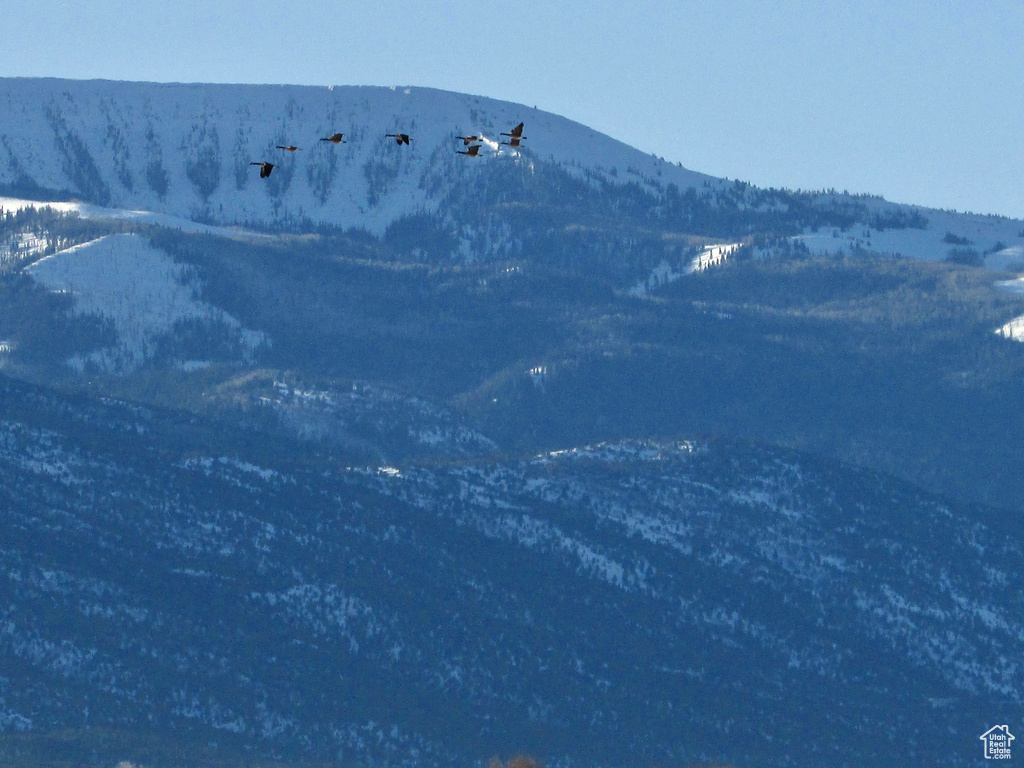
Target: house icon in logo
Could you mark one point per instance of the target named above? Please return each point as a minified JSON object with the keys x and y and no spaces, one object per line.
{"x":997,"y":742}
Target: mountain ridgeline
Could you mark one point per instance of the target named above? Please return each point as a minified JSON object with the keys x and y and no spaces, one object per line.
{"x":400,"y":456}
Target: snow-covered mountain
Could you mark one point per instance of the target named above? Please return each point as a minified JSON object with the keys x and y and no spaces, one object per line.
{"x":424,"y":488}
{"x":186,"y":151}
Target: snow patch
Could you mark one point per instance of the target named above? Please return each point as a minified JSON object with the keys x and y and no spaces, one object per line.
{"x":708,"y":257}
{"x":122,"y":278}
{"x":1014,"y":329}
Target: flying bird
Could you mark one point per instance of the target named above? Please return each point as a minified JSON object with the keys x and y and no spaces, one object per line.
{"x":467,"y":140}
{"x":515,"y":136}
{"x":473,"y":151}
{"x":335,"y":138}
{"x":401,"y":138}
{"x":515,"y":133}
{"x":289,"y":148}
{"x":265,"y":169}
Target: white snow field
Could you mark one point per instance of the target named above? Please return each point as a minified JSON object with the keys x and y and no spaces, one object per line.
{"x":139,"y":288}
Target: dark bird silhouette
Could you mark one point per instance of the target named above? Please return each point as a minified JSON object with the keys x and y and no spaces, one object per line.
{"x":265,"y":169}
{"x":289,"y":148}
{"x":401,"y":138}
{"x":335,"y":138}
{"x":515,"y":133}
{"x":467,"y":140}
{"x":473,"y":151}
{"x":513,"y":142}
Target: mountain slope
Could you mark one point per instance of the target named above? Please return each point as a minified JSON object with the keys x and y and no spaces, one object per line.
{"x":892,"y":364}
{"x":631,"y":602}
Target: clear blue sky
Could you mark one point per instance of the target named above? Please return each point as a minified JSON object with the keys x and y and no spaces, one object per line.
{"x":922,"y":102}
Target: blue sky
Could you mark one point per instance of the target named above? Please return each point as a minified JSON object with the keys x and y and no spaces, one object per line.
{"x":919,"y":102}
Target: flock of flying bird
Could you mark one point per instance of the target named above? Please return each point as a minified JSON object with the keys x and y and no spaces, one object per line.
{"x":515,"y":137}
